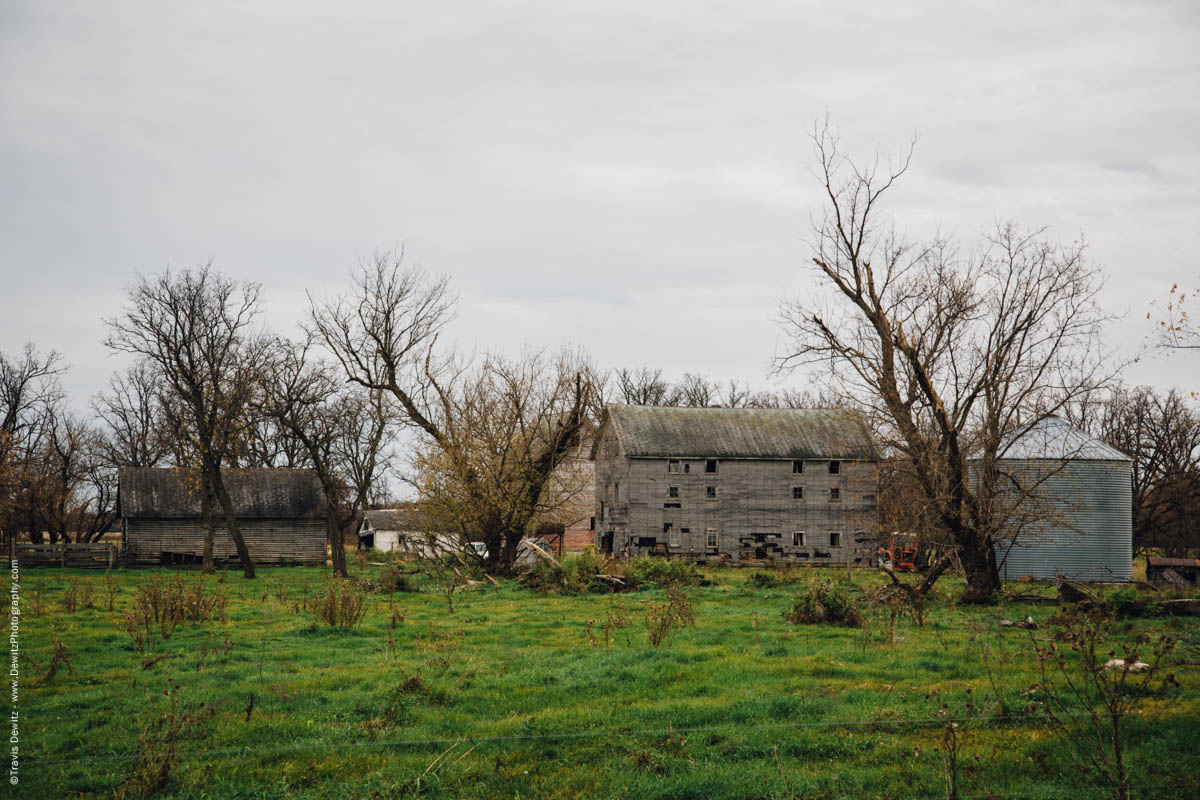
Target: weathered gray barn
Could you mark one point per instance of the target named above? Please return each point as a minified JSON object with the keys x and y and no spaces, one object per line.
{"x":779,"y":484}
{"x":281,"y":513}
{"x":1074,"y":515}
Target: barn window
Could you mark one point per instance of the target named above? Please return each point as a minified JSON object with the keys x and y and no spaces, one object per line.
{"x":835,"y":539}
{"x":797,"y":492}
{"x":617,"y":491}
{"x":672,"y":537}
{"x":672,"y":491}
{"x":798,"y":539}
{"x":710,"y":538}
{"x":835,"y":468}
{"x":710,"y":466}
{"x":835,"y":495}
{"x":797,"y":467}
{"x":673,"y":465}
{"x":710,"y":492}
{"x":592,"y":524}
{"x":602,"y":511}
{"x":667,"y":526}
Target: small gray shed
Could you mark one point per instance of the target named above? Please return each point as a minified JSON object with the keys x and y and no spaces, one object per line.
{"x":1076,"y":516}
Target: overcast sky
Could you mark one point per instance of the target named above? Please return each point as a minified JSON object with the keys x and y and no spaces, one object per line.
{"x":629,"y":176}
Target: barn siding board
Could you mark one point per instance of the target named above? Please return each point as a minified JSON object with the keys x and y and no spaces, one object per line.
{"x":269,"y":541}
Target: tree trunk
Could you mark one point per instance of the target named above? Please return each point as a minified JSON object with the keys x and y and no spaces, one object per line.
{"x":235,"y":531}
{"x":337,"y":549}
{"x":206,"y":513}
{"x":980,"y":571}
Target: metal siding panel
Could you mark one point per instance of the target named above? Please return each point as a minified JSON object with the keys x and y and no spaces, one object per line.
{"x":1088,"y":534}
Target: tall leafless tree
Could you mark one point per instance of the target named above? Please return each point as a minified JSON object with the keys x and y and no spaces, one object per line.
{"x":343,"y":433}
{"x":502,"y":423}
{"x":196,"y":328}
{"x":131,"y":415}
{"x":1160,"y":432}
{"x":954,"y":355}
{"x":643,"y":386}
{"x":509,"y":428}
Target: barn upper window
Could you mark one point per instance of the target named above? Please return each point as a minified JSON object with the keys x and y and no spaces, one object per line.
{"x":835,"y":539}
{"x":797,"y":492}
{"x":797,"y":467}
{"x":672,"y":491}
{"x":710,"y":466}
{"x":673,"y":465}
{"x":835,"y":495}
{"x":798,"y":539}
{"x":710,"y":492}
{"x":835,"y":468}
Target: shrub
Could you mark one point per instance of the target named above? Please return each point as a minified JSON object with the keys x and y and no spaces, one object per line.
{"x":393,"y":579}
{"x":159,"y":745}
{"x":78,"y":594}
{"x":664,"y":620}
{"x":338,"y":603}
{"x":648,"y":571}
{"x":1125,"y":602}
{"x":163,"y":603}
{"x":578,"y":574}
{"x":775,"y":578}
{"x":825,"y":603}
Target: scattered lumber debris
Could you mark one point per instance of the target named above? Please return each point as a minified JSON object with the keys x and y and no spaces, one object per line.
{"x":1188,"y":607}
{"x":1026,"y":597}
{"x":1077,"y":593}
{"x":537,"y":550}
{"x":1120,"y":663}
{"x":1026,"y":624}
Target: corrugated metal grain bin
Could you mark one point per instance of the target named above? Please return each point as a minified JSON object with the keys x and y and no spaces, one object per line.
{"x":1075,"y":516}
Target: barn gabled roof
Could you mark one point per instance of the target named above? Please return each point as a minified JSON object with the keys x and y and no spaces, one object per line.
{"x":783,"y":433}
{"x":405,"y":518}
{"x":169,"y":493}
{"x":1056,"y":439}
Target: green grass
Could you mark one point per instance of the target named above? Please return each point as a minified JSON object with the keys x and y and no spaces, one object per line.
{"x":744,"y":704}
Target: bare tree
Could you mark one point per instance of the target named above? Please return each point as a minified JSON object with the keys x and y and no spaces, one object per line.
{"x":508,"y":428}
{"x":643,"y":386}
{"x":1176,"y":328}
{"x":694,"y":390}
{"x":504,"y":424}
{"x":195,"y":327}
{"x":953,"y":355}
{"x":130,"y":411}
{"x":1160,"y":432}
{"x":342,"y":433}
{"x":29,"y":392}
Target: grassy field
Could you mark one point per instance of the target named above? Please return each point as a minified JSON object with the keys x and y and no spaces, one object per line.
{"x":515,"y":695}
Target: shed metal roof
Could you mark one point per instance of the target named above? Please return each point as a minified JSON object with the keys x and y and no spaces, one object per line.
{"x":1053,"y":438}
{"x":783,"y":433}
{"x":169,"y":493}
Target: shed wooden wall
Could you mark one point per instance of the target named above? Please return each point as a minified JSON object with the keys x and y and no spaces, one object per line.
{"x":269,"y":541}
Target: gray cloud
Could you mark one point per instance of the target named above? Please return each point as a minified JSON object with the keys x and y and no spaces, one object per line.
{"x":630,"y":176}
